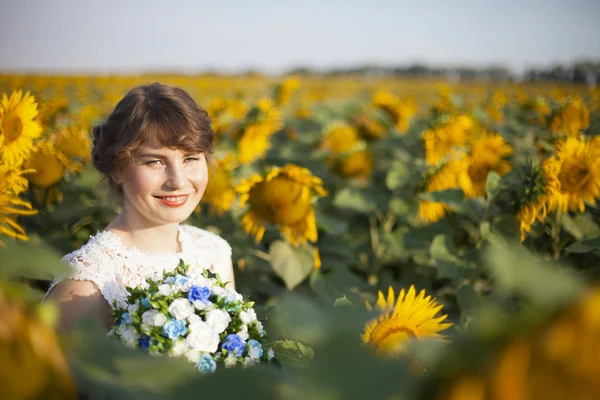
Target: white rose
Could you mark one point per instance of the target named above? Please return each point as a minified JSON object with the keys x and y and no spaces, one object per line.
{"x":200,"y":305}
{"x":192,"y":355}
{"x":194,"y":318}
{"x":232,"y":293}
{"x":179,"y":348}
{"x":165,"y":289}
{"x":200,"y":281}
{"x":246,"y":317}
{"x":181,"y":308}
{"x":202,"y":337}
{"x":260,"y":328}
{"x":219,"y":320}
{"x":249,"y":362}
{"x":230,"y":361}
{"x":270,"y":354}
{"x":129,"y":335}
{"x":153,"y":318}
{"x":243,"y":333}
{"x":133,"y":307}
{"x":160,"y":319}
{"x":219,"y":291}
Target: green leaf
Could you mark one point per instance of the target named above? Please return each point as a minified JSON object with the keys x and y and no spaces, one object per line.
{"x":492,"y":184}
{"x":354,"y":199}
{"x":263,"y":312}
{"x":449,"y":263}
{"x":398,"y":175}
{"x":581,"y":226}
{"x":293,"y":354}
{"x":449,"y":196}
{"x":516,"y":270}
{"x":32,"y":260}
{"x":585,"y":246}
{"x":292,"y":264}
{"x":329,"y":223}
{"x":342,"y":302}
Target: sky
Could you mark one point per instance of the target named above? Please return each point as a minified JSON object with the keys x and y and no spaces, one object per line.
{"x":128,"y":36}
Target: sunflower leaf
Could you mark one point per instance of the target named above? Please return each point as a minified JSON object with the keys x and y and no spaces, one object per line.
{"x":293,"y":354}
{"x":447,"y":260}
{"x":292,"y":264}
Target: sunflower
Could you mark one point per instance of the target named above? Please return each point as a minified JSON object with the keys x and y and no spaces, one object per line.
{"x":339,"y":138}
{"x":409,"y":316}
{"x":285,"y":90}
{"x":49,"y":165}
{"x":571,"y":119}
{"x":534,"y":111}
{"x":32,"y":363}
{"x":444,"y":178}
{"x":264,"y":121}
{"x":50,"y":110}
{"x":558,"y":360}
{"x":220,"y":191}
{"x":574,"y":175}
{"x":399,"y":111}
{"x":357,"y":164}
{"x":369,"y":127}
{"x":12,"y":183}
{"x":488,"y":153}
{"x":282,"y":197}
{"x":447,"y":139}
{"x":533,"y":202}
{"x":74,"y":142}
{"x":18,"y":127}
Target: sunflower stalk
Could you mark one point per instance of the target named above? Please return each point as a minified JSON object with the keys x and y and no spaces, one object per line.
{"x":555,"y":234}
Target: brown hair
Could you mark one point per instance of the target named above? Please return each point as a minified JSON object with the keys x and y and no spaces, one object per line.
{"x":152,"y":114}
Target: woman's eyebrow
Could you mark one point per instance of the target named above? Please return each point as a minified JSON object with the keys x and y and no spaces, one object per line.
{"x":149,"y":155}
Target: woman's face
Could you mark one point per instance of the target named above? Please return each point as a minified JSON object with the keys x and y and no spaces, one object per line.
{"x":163,"y":186}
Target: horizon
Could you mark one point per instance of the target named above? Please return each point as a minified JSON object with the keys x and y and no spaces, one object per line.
{"x":68,"y":37}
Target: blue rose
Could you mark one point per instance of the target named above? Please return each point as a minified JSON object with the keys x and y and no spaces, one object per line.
{"x":201,"y":293}
{"x":234,"y":345}
{"x":146,"y":302}
{"x":206,"y":365}
{"x":174,"y":328}
{"x":144,"y":342}
{"x":255,"y":350}
{"x":169,"y":280}
{"x":126,"y":318}
{"x":181,"y":279}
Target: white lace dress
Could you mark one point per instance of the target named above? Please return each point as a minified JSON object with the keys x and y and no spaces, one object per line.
{"x":114,"y":267}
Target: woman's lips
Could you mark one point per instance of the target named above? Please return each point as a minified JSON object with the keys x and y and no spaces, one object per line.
{"x":173,"y":201}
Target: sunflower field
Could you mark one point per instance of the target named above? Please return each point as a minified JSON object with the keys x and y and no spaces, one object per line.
{"x":412,"y":238}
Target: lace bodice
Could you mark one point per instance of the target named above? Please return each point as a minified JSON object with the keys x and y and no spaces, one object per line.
{"x":114,"y":267}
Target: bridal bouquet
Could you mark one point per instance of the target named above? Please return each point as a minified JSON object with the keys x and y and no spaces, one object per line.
{"x":193,"y":317}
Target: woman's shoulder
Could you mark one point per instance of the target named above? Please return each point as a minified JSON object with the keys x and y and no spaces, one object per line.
{"x":97,"y":249}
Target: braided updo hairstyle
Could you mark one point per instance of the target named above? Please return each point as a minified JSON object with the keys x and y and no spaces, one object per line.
{"x":154,"y":114}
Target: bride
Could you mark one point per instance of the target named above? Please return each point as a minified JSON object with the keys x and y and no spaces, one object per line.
{"x":154,"y":149}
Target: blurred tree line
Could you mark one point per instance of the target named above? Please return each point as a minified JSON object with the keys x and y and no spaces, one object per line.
{"x":581,"y":72}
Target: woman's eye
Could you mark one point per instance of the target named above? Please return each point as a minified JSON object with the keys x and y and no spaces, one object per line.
{"x":153,"y":162}
{"x":192,"y":159}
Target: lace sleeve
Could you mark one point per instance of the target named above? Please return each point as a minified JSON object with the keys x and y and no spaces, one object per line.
{"x":95,"y":264}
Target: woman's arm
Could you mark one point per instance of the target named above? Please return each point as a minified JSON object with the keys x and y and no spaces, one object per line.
{"x":77,"y":299}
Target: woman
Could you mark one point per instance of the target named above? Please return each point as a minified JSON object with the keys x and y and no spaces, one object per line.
{"x":154,"y":149}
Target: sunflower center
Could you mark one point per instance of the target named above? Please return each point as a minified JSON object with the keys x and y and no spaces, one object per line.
{"x":281,"y":201}
{"x":390,"y":337}
{"x":573,"y":176}
{"x":13,"y":127}
{"x":478,"y":172}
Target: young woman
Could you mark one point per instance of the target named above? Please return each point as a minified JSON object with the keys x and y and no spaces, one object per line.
{"x":154,"y":149}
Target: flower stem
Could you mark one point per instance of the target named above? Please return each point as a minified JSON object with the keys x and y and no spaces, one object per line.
{"x":556,"y":245}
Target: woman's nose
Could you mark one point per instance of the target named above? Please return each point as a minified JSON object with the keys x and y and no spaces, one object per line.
{"x":175,"y":177}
